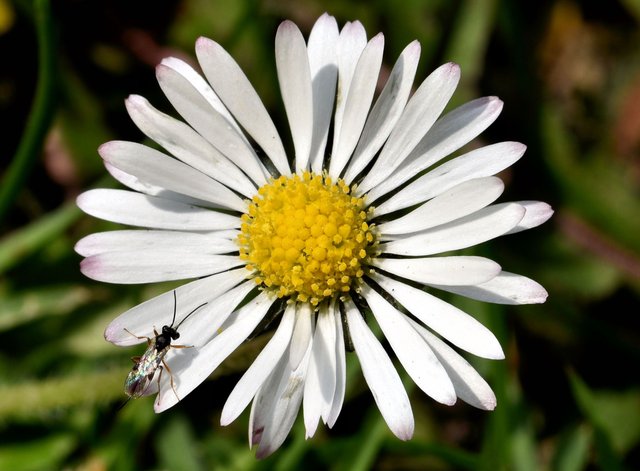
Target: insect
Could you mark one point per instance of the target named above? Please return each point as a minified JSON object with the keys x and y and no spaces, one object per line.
{"x":152,"y":359}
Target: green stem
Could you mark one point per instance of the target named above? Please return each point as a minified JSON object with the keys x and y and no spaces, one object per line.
{"x":41,"y":113}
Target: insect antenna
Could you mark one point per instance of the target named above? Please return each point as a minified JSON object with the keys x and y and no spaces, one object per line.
{"x":185,"y":317}
{"x":175,"y":305}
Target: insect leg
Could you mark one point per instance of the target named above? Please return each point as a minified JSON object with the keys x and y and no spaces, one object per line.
{"x":170,"y":379}
{"x":159,"y":378}
{"x":141,"y":337}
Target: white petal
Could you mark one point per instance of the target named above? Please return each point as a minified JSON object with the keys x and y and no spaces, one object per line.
{"x":260,"y":369}
{"x":256,"y":423}
{"x":193,"y":365}
{"x":412,"y":351}
{"x":421,"y":112}
{"x":486,"y":224}
{"x":351,"y":43}
{"x":386,"y":111}
{"x":323,"y":64}
{"x":537,"y":213}
{"x":312,"y":402}
{"x":203,"y":88}
{"x":469,"y":385}
{"x":133,"y":182}
{"x":341,"y":369}
{"x":456,"y":270}
{"x":455,"y":325}
{"x":457,"y":202}
{"x":506,"y":288}
{"x":382,"y":378}
{"x":239,"y":96}
{"x":131,"y":266}
{"x":478,"y":163}
{"x":448,"y":134}
{"x":357,"y":104}
{"x":187,"y":145}
{"x":320,"y":383}
{"x":202,"y":330}
{"x":153,"y":190}
{"x":256,"y":427}
{"x":263,"y":402}
{"x":158,"y":311}
{"x":141,"y":240}
{"x":188,"y":93}
{"x":226,"y":234}
{"x":302,"y":334}
{"x":159,"y":169}
{"x":276,"y":407}
{"x":294,"y":76}
{"x":213,"y":318}
{"x":135,"y":209}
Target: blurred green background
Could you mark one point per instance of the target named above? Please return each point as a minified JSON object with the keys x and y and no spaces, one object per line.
{"x":569,"y":390}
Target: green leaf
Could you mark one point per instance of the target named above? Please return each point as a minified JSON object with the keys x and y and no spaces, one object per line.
{"x":468,"y":43}
{"x":573,"y":270}
{"x":634,"y":8}
{"x":35,"y":400}
{"x":595,"y":188}
{"x":455,"y":457}
{"x":203,"y":18}
{"x":572,"y":452}
{"x":615,"y":413}
{"x":18,"y":245}
{"x":175,"y":446}
{"x":82,"y":127}
{"x":290,"y":459}
{"x":22,"y":307}
{"x":366,"y":446}
{"x":523,"y":447}
{"x":36,"y":455}
{"x":120,"y":448}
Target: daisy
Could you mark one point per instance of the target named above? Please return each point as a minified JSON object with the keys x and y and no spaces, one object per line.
{"x":351,"y":220}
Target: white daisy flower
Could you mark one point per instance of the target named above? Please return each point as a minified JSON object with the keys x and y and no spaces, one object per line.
{"x":353,"y":219}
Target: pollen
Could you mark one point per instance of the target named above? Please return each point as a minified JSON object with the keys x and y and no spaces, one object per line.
{"x":306,"y":237}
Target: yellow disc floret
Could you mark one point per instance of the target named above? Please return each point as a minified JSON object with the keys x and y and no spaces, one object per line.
{"x":306,"y":237}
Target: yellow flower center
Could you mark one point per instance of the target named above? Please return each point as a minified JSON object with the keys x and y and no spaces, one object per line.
{"x":306,"y":237}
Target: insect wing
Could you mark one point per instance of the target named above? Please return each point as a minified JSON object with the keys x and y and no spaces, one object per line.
{"x":139,"y":380}
{"x":136,"y":385}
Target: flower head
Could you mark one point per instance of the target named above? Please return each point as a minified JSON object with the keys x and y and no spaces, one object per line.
{"x":352,"y":220}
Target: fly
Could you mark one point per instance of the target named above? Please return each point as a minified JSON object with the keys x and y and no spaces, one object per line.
{"x":152,"y":359}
